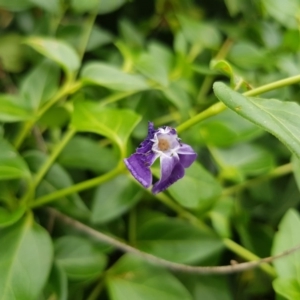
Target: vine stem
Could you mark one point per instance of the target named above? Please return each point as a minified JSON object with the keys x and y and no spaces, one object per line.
{"x":227,"y":269}
{"x":219,"y":107}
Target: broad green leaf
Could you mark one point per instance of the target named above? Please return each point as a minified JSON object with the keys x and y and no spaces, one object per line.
{"x":278,"y":117}
{"x":287,"y":237}
{"x":107,"y":6}
{"x":14,"y":109}
{"x":53,"y":6}
{"x":197,"y":189}
{"x":80,"y":6}
{"x":57,"y":116}
{"x":58,"y":51}
{"x":296,"y":169}
{"x":79,"y":258}
{"x":133,"y":278}
{"x":112,"y":78}
{"x":289,"y":288}
{"x":11,"y":50}
{"x":242,"y":160}
{"x":12,"y":166}
{"x":88,"y":155}
{"x":131,"y":34}
{"x":115,"y":124}
{"x":98,"y":38}
{"x":40,"y":84}
{"x":57,"y":285}
{"x":55,"y":179}
{"x":284,"y":12}
{"x":15,"y":5}
{"x":113,"y":198}
{"x":248,"y":56}
{"x":8,"y":218}
{"x":207,"y":287}
{"x":176,"y":240}
{"x":149,"y":66}
{"x":226,"y":129}
{"x":25,"y":261}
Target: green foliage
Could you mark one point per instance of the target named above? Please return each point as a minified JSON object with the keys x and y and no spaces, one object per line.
{"x":80,"y":80}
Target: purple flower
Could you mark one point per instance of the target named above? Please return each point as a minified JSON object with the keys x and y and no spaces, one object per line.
{"x":174,"y":156}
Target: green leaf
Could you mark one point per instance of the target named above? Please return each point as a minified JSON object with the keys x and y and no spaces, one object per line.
{"x":58,"y":51}
{"x":107,"y":6}
{"x":79,"y":6}
{"x":25,"y":260}
{"x":296,"y":169}
{"x":278,"y":117}
{"x":11,"y":51}
{"x":88,"y":155}
{"x":15,"y":5}
{"x":13,"y":110}
{"x":287,"y":237}
{"x":207,"y":287}
{"x":289,"y":288}
{"x":134,"y":279}
{"x":242,"y":160}
{"x":115,"y":124}
{"x":113,"y":198}
{"x":40,"y":84}
{"x":226,"y":129}
{"x":98,"y":38}
{"x":79,"y":258}
{"x":197,"y":189}
{"x":53,"y":6}
{"x":55,"y":179}
{"x":12,"y":166}
{"x":112,"y":78}
{"x":8,"y":218}
{"x":57,"y":285}
{"x":161,"y":237}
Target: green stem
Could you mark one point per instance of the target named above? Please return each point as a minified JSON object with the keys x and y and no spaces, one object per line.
{"x":46,"y":166}
{"x":249,"y":256}
{"x":78,"y":187}
{"x":116,"y":97}
{"x":279,"y":171}
{"x":219,"y":107}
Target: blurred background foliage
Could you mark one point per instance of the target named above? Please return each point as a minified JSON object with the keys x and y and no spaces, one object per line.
{"x":79,"y":80}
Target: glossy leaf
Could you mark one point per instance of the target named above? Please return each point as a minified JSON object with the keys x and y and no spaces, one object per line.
{"x":115,"y":124}
{"x":132,"y":278}
{"x":40,"y":84}
{"x":278,"y":117}
{"x":13,"y":109}
{"x":79,"y":258}
{"x":287,"y":237}
{"x":289,"y":288}
{"x":89,"y":155}
{"x":58,"y":51}
{"x":112,"y":78}
{"x":177,"y":241}
{"x":113,"y":198}
{"x":12,"y":165}
{"x":25,"y":260}
{"x":197,"y":189}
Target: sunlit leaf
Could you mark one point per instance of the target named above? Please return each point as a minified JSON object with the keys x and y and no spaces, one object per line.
{"x":115,"y":124}
{"x":134,"y":279}
{"x":78,"y":257}
{"x":112,"y":78}
{"x":107,"y":6}
{"x":278,"y":117}
{"x":25,"y":260}
{"x":58,"y":51}
{"x":289,"y":288}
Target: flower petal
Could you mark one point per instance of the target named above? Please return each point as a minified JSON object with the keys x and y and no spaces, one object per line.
{"x":146,"y":145}
{"x":139,"y":168}
{"x":171,"y":171}
{"x":186,"y":155}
